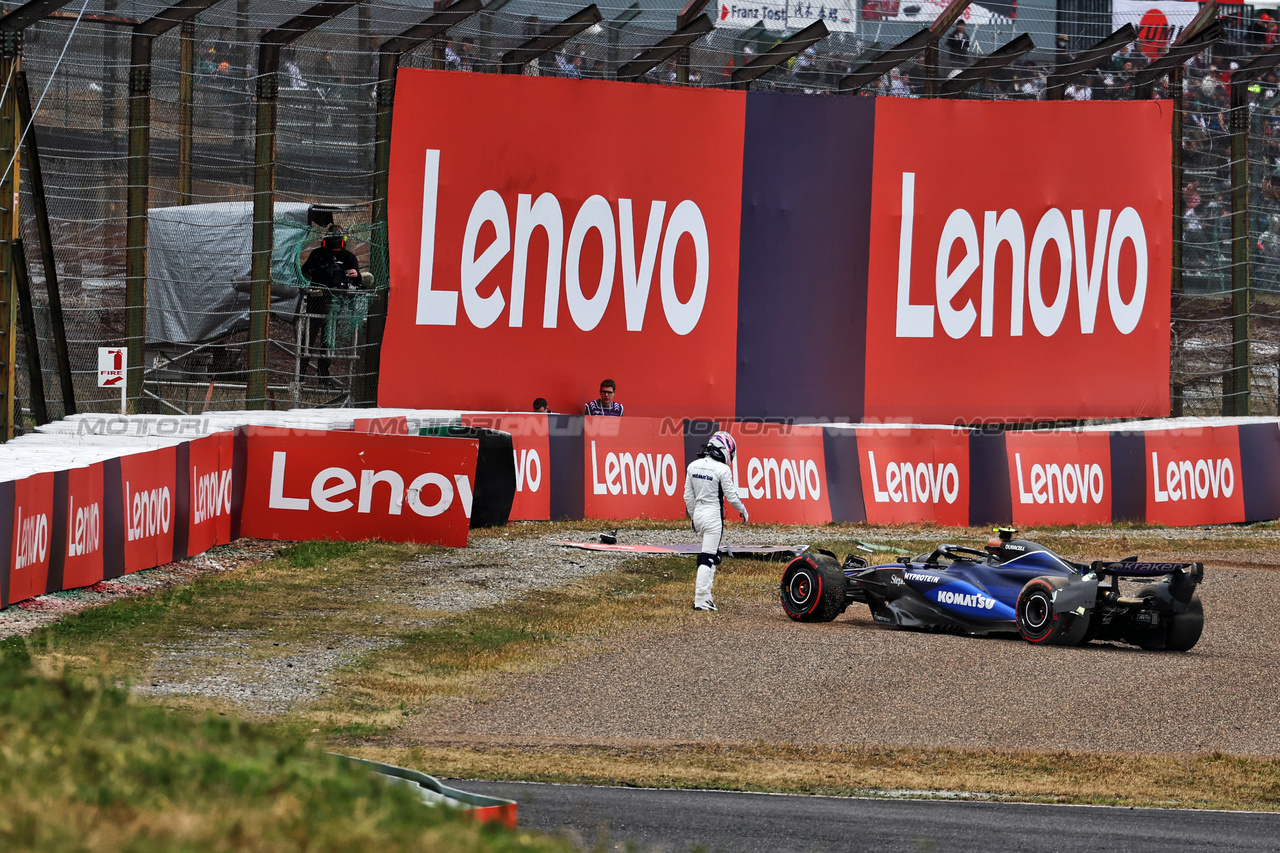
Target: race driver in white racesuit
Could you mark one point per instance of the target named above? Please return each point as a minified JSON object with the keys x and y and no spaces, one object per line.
{"x":707,"y":483}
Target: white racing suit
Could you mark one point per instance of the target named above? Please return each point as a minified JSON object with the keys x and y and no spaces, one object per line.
{"x":707,"y":484}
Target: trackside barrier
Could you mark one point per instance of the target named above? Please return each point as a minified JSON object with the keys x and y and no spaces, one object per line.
{"x":434,"y":792}
{"x":79,"y":507}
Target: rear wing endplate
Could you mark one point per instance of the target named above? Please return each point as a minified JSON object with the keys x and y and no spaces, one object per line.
{"x":1147,"y":570}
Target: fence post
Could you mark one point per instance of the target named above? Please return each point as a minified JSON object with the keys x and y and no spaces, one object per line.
{"x":1236,"y":383}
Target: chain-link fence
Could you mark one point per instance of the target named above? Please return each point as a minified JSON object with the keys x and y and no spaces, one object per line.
{"x":202,"y":167}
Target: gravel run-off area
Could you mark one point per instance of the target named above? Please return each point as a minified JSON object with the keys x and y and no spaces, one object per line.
{"x":748,"y":674}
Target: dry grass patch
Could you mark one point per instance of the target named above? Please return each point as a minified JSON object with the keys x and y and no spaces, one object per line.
{"x":1204,"y":781}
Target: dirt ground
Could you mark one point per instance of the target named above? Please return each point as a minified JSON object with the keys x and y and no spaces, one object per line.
{"x":748,"y":674}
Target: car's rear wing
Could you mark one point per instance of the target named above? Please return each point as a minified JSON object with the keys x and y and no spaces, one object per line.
{"x":1193,"y":571}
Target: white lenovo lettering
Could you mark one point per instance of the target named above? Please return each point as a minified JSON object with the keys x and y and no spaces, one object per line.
{"x":210,"y":494}
{"x":32,"y":546}
{"x":594,"y":222}
{"x":1069,"y":483}
{"x":634,"y":473}
{"x":528,"y":469}
{"x":1052,"y":234}
{"x":789,"y":479}
{"x":84,"y":528}
{"x":908,"y":483}
{"x":1189,"y":480}
{"x":330,"y":486}
{"x":148,"y":512}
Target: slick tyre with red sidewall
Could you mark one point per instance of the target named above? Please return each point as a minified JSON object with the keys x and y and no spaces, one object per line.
{"x":813,"y":588}
{"x":1037,"y":623}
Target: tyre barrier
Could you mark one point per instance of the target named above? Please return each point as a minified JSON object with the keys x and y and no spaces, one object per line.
{"x":93,"y":497}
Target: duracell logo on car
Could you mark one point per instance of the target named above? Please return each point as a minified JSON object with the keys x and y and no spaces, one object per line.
{"x":611,"y":224}
{"x":1088,"y":245}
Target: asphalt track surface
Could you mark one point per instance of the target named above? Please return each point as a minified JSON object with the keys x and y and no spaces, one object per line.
{"x":728,"y":822}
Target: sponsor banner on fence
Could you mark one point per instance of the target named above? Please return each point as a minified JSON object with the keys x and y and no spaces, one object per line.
{"x":1059,"y":477}
{"x":1007,"y":276}
{"x":915,"y":475}
{"x":32,"y":542}
{"x":634,"y":468}
{"x":839,"y":15}
{"x":613,"y":257}
{"x":1158,"y":22}
{"x":781,"y":472}
{"x":148,"y":504}
{"x":209,"y":468}
{"x":1193,"y":476}
{"x":312,"y":484}
{"x":80,"y":546}
{"x":531,"y":446}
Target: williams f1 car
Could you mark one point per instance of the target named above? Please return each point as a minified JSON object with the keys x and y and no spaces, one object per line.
{"x":1013,"y":586}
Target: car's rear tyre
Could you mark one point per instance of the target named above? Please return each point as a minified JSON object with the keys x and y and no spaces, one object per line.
{"x":1182,"y":630}
{"x":813,"y":588}
{"x":1037,"y":623}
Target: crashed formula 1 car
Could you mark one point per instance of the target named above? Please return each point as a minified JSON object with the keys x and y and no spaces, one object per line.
{"x":1013,"y":586}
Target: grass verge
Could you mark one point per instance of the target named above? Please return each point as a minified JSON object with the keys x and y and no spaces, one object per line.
{"x":313,"y":593}
{"x":84,"y":768}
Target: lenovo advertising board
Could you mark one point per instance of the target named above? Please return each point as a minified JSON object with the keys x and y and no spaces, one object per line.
{"x":1059,"y":477}
{"x":1013,"y":269}
{"x":78,"y":494}
{"x":312,"y":484}
{"x":781,"y":472}
{"x":634,"y":468}
{"x":549,"y":233}
{"x":32,"y":540}
{"x":1193,"y":476}
{"x":531,"y":447}
{"x":208,"y":480}
{"x":915,"y":475}
{"x":148,"y":485}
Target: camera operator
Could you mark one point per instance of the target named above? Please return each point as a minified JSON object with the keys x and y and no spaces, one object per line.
{"x":331,"y":268}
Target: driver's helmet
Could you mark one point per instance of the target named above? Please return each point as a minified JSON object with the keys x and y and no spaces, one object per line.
{"x":723,"y":445}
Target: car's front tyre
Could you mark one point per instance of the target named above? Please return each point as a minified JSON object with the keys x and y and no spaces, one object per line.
{"x":813,"y":588}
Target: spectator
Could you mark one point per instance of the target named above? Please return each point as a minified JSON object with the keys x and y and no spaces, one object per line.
{"x":540,"y":405}
{"x":956,"y":46}
{"x":606,"y":405}
{"x":330,"y":268}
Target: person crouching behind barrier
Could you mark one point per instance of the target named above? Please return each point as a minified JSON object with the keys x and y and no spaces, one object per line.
{"x":708,"y":481}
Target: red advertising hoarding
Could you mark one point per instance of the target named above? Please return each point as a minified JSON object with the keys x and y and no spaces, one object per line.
{"x":915,"y":475}
{"x":83,"y":554}
{"x":781,"y":472}
{"x":32,"y":534}
{"x":532,"y":449}
{"x":147,"y":482}
{"x":538,"y":222}
{"x":633,"y":468}
{"x":1012,"y":271}
{"x":1059,"y":477}
{"x":1193,"y":476}
{"x":209,"y":512}
{"x":313,"y":484}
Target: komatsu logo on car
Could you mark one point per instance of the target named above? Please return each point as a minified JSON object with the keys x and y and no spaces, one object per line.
{"x":920,"y":578}
{"x":979,"y":602}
